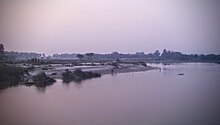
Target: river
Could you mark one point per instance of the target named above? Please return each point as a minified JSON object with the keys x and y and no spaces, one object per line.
{"x":156,"y":97}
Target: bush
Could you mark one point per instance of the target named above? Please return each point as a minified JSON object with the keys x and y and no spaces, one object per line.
{"x":78,"y":75}
{"x":42,"y":80}
{"x":10,"y":75}
{"x":68,"y":76}
{"x":143,"y":64}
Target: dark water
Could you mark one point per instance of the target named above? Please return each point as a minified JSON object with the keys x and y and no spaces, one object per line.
{"x":142,"y":98}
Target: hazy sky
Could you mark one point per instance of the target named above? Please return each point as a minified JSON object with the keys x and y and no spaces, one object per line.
{"x":103,"y":26}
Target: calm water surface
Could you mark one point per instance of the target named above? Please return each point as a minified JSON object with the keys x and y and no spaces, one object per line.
{"x":141,"y":98}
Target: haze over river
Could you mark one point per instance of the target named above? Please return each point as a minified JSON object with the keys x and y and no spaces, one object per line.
{"x":155,"y":97}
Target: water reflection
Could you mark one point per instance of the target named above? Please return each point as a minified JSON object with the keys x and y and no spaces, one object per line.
{"x":41,"y":90}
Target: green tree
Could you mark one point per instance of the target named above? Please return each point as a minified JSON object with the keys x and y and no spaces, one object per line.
{"x":90,"y":55}
{"x":156,"y":54}
{"x":80,"y":56}
{"x":2,"y":48}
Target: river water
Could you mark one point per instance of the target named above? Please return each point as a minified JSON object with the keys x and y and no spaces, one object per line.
{"x":156,"y":97}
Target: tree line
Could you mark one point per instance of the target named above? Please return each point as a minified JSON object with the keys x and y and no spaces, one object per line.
{"x":165,"y":55}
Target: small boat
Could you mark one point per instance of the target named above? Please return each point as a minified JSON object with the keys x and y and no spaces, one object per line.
{"x":180,"y":74}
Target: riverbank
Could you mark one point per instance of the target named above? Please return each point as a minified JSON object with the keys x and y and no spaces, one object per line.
{"x":45,"y":74}
{"x":55,"y":70}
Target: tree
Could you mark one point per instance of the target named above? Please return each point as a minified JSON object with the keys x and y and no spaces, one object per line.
{"x":90,"y":56}
{"x":157,"y":54}
{"x":80,"y":56}
{"x":164,"y":54}
{"x":2,"y":48}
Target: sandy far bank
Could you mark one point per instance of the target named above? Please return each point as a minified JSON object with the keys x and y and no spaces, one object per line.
{"x":56,"y":72}
{"x":124,"y":70}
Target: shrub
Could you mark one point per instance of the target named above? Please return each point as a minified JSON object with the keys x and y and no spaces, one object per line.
{"x":78,"y":75}
{"x":10,"y":75}
{"x":42,"y":80}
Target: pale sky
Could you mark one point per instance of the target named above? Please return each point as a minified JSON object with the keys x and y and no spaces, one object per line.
{"x":103,"y":26}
